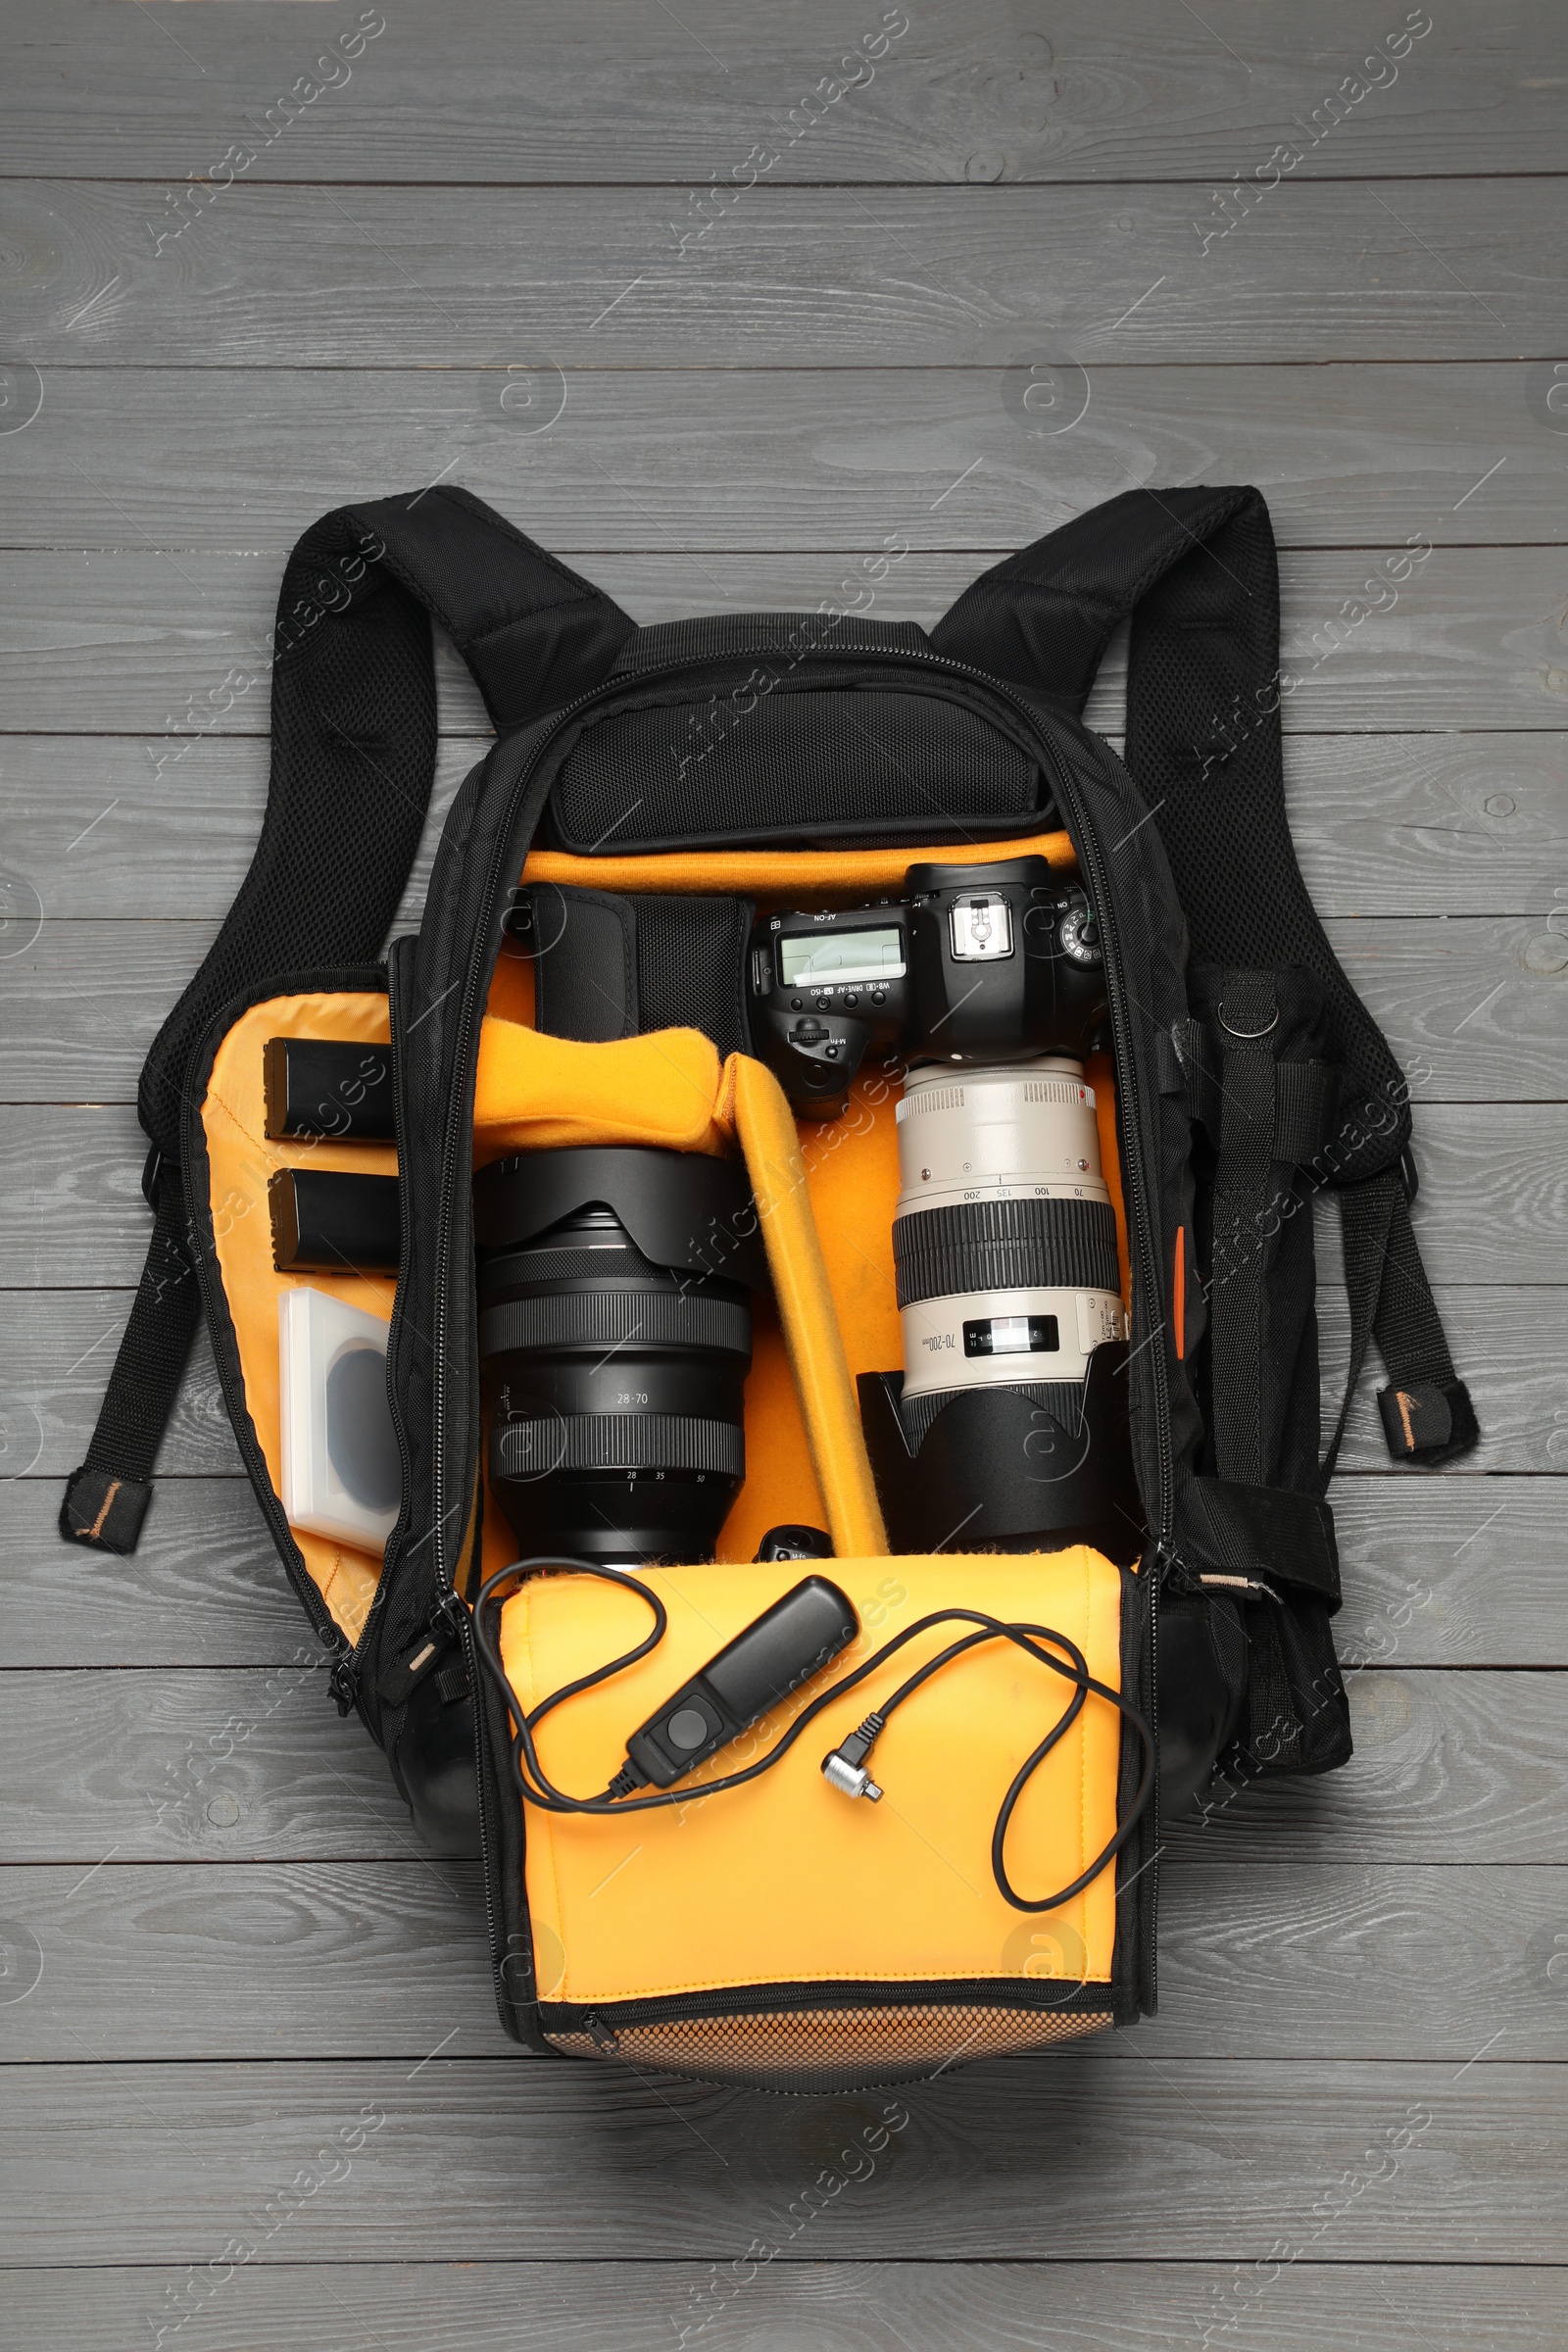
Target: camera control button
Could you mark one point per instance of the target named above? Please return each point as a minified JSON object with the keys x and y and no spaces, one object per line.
{"x":686,"y":1729}
{"x":879,"y":995}
{"x":797,"y":1004}
{"x":807,"y":1033}
{"x":850,"y":1000}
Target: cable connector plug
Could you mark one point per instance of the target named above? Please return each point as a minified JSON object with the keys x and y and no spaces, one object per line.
{"x":627,"y":1780}
{"x":845,"y":1769}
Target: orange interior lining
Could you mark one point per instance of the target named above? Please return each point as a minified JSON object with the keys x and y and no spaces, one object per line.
{"x":785,"y":1880}
{"x":242,"y":1160}
{"x":850,"y":1169}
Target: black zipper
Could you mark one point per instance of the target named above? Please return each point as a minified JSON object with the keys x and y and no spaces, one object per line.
{"x":1086,"y":842}
{"x":1026,"y":1994}
{"x":449,"y":1616}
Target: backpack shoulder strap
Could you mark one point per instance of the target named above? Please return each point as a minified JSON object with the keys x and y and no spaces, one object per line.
{"x":1197,"y":571}
{"x":354,"y":748}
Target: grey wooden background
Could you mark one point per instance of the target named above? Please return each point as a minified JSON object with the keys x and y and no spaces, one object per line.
{"x":224,"y":1955}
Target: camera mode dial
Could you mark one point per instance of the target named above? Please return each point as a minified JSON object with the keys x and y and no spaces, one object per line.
{"x":1078,"y":934}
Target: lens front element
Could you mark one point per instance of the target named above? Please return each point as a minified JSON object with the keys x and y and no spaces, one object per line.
{"x":613,"y":1389}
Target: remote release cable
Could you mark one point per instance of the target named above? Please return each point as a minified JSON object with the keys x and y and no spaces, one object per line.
{"x":845,"y":1766}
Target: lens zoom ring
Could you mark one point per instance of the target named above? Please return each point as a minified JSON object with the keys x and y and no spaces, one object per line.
{"x":618,"y":1442}
{"x":606,"y":1318}
{"x":1005,"y":1245}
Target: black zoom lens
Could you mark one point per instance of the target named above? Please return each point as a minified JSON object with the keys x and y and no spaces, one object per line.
{"x":614,"y":1356}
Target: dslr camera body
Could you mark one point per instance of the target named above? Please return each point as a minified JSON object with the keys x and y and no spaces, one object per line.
{"x":990,"y":963}
{"x":1008,"y":1422}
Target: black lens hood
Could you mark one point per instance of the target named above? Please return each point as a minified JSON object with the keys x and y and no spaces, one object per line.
{"x":681,"y":1209}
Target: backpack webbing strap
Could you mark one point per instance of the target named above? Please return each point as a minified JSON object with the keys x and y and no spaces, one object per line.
{"x":354,"y":749}
{"x":1427,"y":1413}
{"x":1196,"y":570}
{"x":107,"y":1499}
{"x":1242,"y":1170}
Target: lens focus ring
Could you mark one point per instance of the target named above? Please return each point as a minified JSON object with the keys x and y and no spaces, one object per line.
{"x":672,"y":1442}
{"x":608,"y":1318}
{"x":1004,"y":1246}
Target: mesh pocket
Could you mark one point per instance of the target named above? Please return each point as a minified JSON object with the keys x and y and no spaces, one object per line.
{"x":826,"y":2050}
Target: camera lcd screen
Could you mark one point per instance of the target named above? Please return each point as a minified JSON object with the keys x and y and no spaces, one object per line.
{"x":842,"y":955}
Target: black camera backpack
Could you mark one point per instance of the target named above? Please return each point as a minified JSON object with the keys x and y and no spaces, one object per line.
{"x":1248,"y":1075}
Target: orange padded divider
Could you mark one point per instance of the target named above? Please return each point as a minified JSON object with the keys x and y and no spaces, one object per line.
{"x":536,"y":1093}
{"x":785,"y":1880}
{"x":820,"y":874}
{"x":806,"y":1308}
{"x":554,"y":1091}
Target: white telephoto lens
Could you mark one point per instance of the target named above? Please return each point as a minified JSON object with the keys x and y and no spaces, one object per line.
{"x":1003,"y":1237}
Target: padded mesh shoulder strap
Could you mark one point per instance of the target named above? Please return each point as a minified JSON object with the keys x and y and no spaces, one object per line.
{"x":1197,"y":571}
{"x":354,"y":746}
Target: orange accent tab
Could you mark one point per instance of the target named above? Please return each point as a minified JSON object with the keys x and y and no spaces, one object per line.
{"x":1179,"y":1297}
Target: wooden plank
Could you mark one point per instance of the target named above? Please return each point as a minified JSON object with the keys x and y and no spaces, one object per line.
{"x":214,"y":1869}
{"x":1444,"y":1571}
{"x":51,"y":1399}
{"x":575,"y":2306}
{"x":1441,"y":269}
{"x":57,"y":1347}
{"x":212,"y":1960}
{"x":205,"y":1586}
{"x":204,"y":1764}
{"x":1510,"y":1156}
{"x":1260,"y":1963}
{"x":1504,"y":1341}
{"x":471,"y":2159}
{"x":93,"y":998}
{"x":1473,"y":1010}
{"x":103,"y":813}
{"x":70,"y":1200}
{"x":1385,"y":824}
{"x":1427,"y":824}
{"x":1472,"y":1007}
{"x":1450,"y":1571}
{"x":967,"y":92}
{"x":796,"y":458}
{"x":120,"y":644}
{"x":1449,"y":1768}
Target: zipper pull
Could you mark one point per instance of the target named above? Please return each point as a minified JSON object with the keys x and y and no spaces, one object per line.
{"x":1171,"y":1571}
{"x":1253,"y":1586}
{"x":344,"y":1683}
{"x":440,"y":1637}
{"x":602,"y":2037}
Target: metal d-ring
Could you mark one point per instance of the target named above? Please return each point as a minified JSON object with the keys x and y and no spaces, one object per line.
{"x":1250,"y":1036}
